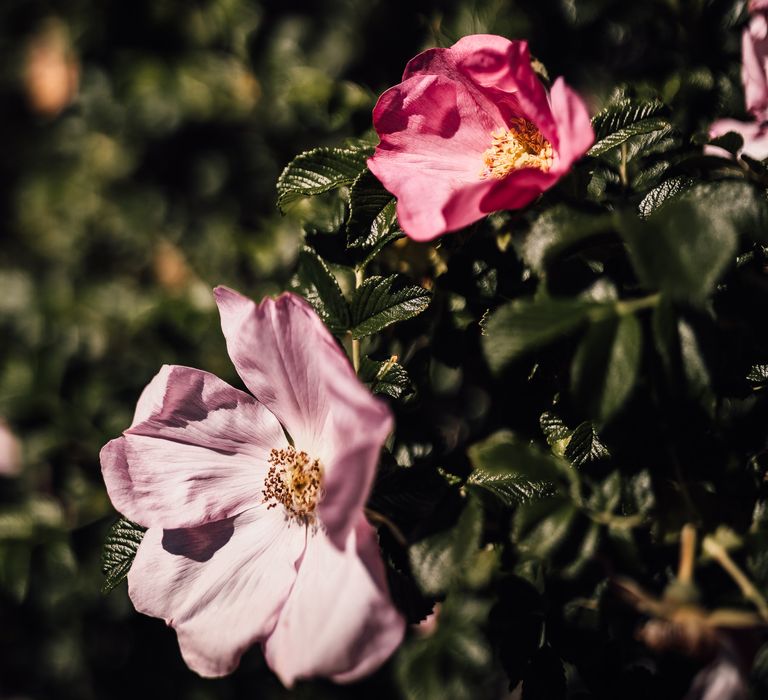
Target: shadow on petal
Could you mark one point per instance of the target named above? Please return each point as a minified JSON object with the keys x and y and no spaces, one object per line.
{"x":199,"y":543}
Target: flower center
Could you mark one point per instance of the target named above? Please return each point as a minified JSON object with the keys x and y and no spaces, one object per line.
{"x":519,"y":146}
{"x":295,"y":481}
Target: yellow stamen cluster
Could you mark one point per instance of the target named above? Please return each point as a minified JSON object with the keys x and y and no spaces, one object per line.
{"x":295,"y":481}
{"x":519,"y":146}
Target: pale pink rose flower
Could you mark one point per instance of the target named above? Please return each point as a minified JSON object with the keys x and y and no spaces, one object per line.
{"x":471,"y":130}
{"x":754,"y":76}
{"x":253,"y":538}
{"x":754,"y":65}
{"x":10,"y":452}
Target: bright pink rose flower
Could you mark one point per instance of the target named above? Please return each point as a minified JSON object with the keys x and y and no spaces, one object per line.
{"x":471,"y":130}
{"x":754,"y":76}
{"x":254,"y":538}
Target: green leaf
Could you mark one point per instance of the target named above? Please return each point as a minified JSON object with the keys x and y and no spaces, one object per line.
{"x":541,"y":527}
{"x":381,"y":301}
{"x":439,"y":561}
{"x":123,"y":539}
{"x":584,"y":445}
{"x":512,"y":470}
{"x":554,"y":428}
{"x":606,"y":365}
{"x":680,"y":353}
{"x":664,"y":193}
{"x":385,"y":377}
{"x":371,"y":212}
{"x":623,"y":113}
{"x":681,"y":250}
{"x":524,"y":325}
{"x":450,"y":662}
{"x":557,"y":230}
{"x":645,"y":126}
{"x":758,"y":374}
{"x":316,"y":283}
{"x":319,"y":170}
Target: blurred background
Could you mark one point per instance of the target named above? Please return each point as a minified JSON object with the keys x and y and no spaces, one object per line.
{"x":141,"y":144}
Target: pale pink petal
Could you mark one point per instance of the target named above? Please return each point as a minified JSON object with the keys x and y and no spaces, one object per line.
{"x":199,"y":454}
{"x":10,"y":452}
{"x":574,"y":126}
{"x":755,"y":138}
{"x":754,"y":65}
{"x":758,"y":5}
{"x":292,"y":364}
{"x":339,"y":620}
{"x":350,"y":451}
{"x":220,"y":586}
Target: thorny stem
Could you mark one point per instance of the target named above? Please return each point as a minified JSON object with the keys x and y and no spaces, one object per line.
{"x":748,"y":589}
{"x":623,"y":166}
{"x":687,"y":554}
{"x":359,"y":277}
{"x":397,"y":533}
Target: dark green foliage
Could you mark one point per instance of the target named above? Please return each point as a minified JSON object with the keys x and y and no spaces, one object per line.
{"x":571,"y":383}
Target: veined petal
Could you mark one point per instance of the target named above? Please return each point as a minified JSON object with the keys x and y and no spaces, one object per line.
{"x":292,"y":364}
{"x":433,"y":135}
{"x":198,"y":454}
{"x":500,"y":69}
{"x":352,"y":445}
{"x":574,"y":126}
{"x":339,"y":620}
{"x":220,"y":586}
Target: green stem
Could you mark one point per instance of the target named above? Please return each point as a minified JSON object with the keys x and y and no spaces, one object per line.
{"x":359,"y":277}
{"x":748,"y":589}
{"x":397,"y":533}
{"x":624,"y":308}
{"x":623,"y":166}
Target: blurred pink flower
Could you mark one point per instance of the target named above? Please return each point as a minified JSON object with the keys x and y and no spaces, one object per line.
{"x":255,"y":538}
{"x":471,"y":130}
{"x":10,"y":452}
{"x":754,"y":76}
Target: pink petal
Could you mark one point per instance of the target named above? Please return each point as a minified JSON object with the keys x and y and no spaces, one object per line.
{"x":354,"y":436}
{"x":198,"y":454}
{"x":338,"y":621}
{"x":220,"y":586}
{"x":291,"y":363}
{"x":755,"y":138}
{"x":754,"y":66}
{"x":574,"y":126}
{"x":500,"y":68}
{"x":758,"y":5}
{"x":433,"y":135}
